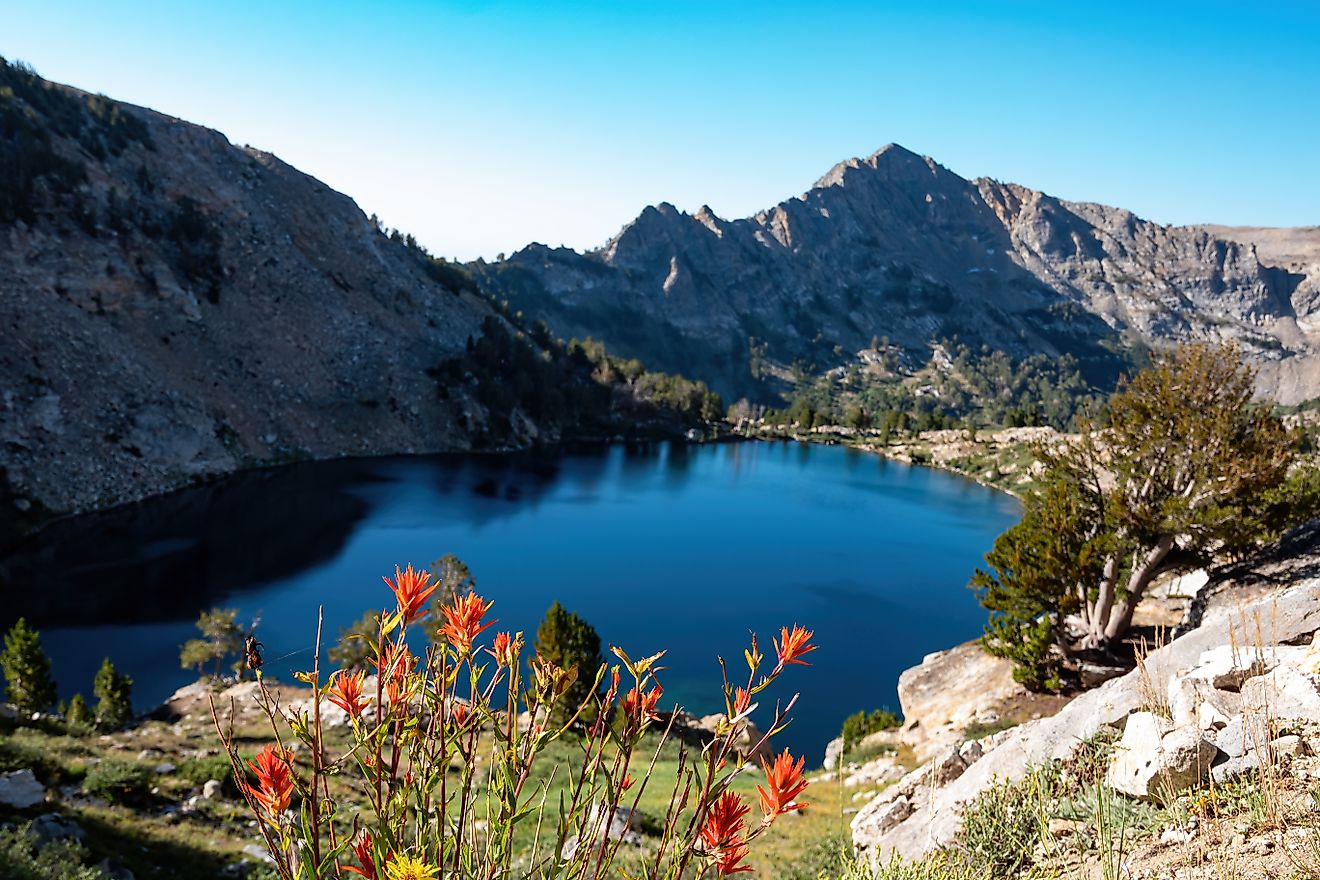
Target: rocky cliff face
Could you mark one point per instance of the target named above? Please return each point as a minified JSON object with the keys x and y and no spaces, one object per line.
{"x":897,"y":246}
{"x":173,"y":306}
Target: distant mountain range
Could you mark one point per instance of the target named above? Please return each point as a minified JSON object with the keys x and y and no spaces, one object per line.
{"x":895,"y":246}
{"x":174,"y":307}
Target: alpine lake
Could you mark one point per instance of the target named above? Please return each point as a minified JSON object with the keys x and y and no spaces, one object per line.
{"x":667,"y":546}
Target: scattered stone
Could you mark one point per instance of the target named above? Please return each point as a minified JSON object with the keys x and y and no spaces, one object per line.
{"x":1174,"y":836}
{"x":165,"y":768}
{"x":877,"y":772}
{"x":1060,"y":827}
{"x":1156,"y":759}
{"x":1284,"y":692}
{"x":1242,"y":734}
{"x":150,"y":754}
{"x":52,"y":827}
{"x":1287,"y":746}
{"x":211,"y":788}
{"x":258,"y":852}
{"x":971,"y":751}
{"x":20,"y":789}
{"x":624,"y":825}
{"x":833,"y":749}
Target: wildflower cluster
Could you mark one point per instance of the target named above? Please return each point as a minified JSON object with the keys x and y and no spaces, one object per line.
{"x":443,"y":748}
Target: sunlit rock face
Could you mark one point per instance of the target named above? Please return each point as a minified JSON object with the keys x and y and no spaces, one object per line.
{"x":896,"y":246}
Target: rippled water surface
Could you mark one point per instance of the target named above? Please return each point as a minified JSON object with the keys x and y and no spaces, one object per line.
{"x":681,"y":547}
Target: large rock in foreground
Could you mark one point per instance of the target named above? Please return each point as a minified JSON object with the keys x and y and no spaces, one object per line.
{"x":931,"y":817}
{"x":21,"y":790}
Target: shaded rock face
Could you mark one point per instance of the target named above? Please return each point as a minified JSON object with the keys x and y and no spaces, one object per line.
{"x":194,"y":307}
{"x":897,"y":246}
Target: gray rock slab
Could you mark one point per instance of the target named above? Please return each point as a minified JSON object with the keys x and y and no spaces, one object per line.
{"x":1288,"y":616}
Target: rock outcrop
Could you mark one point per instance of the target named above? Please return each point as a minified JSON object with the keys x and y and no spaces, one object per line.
{"x":897,"y":246}
{"x":1226,"y":682}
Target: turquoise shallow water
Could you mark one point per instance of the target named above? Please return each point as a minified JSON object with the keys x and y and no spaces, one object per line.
{"x":688,"y":548}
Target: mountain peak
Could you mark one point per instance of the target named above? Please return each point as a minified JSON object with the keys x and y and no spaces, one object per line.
{"x":893,"y":161}
{"x":893,"y":152}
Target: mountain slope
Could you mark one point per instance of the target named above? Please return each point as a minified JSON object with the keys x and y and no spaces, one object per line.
{"x":173,"y":307}
{"x":897,"y":246}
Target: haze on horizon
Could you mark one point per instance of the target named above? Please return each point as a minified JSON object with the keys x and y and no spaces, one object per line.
{"x":483,"y":126}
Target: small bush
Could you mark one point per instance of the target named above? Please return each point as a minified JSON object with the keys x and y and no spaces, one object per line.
{"x":119,"y":782}
{"x":1002,"y":827}
{"x":858,"y":726}
{"x":199,"y":770}
{"x":62,"y":860}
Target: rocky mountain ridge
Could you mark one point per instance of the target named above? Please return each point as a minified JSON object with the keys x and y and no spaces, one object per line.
{"x":895,"y":246}
{"x":174,"y":307}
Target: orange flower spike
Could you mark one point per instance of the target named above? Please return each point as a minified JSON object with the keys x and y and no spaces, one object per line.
{"x":274,"y":788}
{"x":362,"y":849}
{"x":741,"y":700}
{"x":502,"y":649}
{"x":639,"y":707}
{"x":790,"y":646}
{"x":412,"y":589}
{"x":722,"y":834}
{"x":463,"y":621}
{"x":626,"y":784}
{"x":783,"y":785}
{"x":727,"y":859}
{"x":396,"y":665}
{"x":346,"y":692}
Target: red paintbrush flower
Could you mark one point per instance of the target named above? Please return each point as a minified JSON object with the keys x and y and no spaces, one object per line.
{"x":395,"y":666}
{"x":362,"y":849}
{"x":727,"y":859}
{"x":792,"y":645}
{"x":463,"y":621}
{"x":412,"y":589}
{"x":504,"y":649}
{"x":274,"y":788}
{"x":784,"y":782}
{"x":638,"y":706}
{"x":346,"y":692}
{"x":741,"y":700}
{"x":722,"y":834}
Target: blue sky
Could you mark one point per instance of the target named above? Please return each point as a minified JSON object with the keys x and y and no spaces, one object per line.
{"x":481,"y":126}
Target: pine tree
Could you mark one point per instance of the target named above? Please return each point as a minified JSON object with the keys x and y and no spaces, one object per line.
{"x":221,"y":638}
{"x":78,"y":714}
{"x":356,"y":648}
{"x":113,"y":691}
{"x":568,"y":641}
{"x":26,"y":667}
{"x":1187,"y":470}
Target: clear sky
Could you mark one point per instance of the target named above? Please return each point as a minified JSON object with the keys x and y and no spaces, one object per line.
{"x":482,"y":126}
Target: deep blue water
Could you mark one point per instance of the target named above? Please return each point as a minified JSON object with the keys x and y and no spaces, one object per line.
{"x":668,"y":546}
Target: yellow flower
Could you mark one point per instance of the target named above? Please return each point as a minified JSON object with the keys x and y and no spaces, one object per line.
{"x":408,"y":868}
